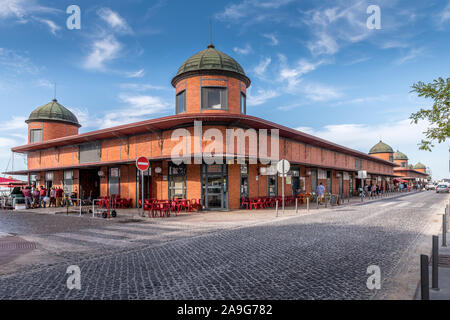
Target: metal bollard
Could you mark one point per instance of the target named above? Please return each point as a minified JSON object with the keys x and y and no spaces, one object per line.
{"x":326,"y":202}
{"x":424,"y":278}
{"x":307,"y":204}
{"x":435,"y":264}
{"x":296,"y":205}
{"x":276,"y":207}
{"x":317,"y":201}
{"x":444,"y":230}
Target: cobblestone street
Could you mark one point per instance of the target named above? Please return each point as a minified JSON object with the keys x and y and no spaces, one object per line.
{"x":320,"y":255}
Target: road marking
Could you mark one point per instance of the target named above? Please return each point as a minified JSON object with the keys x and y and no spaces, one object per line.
{"x":96,"y":240}
{"x":386,"y":204}
{"x":48,"y":243}
{"x":402,"y":204}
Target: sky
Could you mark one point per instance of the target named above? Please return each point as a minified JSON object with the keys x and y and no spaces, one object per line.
{"x":314,"y":65}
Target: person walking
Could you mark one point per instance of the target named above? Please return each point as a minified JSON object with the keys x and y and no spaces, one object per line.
{"x":400,"y":186}
{"x":320,"y":192}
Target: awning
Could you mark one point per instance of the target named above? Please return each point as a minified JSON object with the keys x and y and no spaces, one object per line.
{"x":11,"y":183}
{"x":400,"y":180}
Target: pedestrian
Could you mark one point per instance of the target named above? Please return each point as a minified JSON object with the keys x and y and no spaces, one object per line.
{"x":59,"y":196}
{"x":36,"y":198}
{"x":43,"y":196}
{"x":400,"y":186}
{"x":52,"y":197}
{"x":320,"y":191}
{"x":27,"y":194}
{"x":374,"y":190}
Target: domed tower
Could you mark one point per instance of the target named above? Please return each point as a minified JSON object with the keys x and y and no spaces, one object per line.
{"x":420,"y":167}
{"x":211,"y":81}
{"x":51,"y":121}
{"x":401,"y":159}
{"x":383,"y":151}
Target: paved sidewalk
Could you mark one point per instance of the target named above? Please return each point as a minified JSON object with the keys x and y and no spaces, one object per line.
{"x":443,"y":274}
{"x":125,"y":214}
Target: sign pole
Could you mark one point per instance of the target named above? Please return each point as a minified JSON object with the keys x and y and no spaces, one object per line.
{"x":142,"y":164}
{"x":282,"y":186}
{"x":142,"y":192}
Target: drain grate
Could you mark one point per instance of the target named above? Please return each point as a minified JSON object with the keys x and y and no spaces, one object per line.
{"x":17,"y":245}
{"x":129,"y":221}
{"x":444,"y":261}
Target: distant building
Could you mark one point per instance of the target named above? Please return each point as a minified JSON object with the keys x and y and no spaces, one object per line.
{"x":404,"y":171}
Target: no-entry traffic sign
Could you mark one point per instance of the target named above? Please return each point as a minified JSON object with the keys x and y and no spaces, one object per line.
{"x":142,"y":163}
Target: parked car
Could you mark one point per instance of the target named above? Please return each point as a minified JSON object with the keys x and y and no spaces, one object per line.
{"x":9,"y":201}
{"x":442,"y":188}
{"x":430,"y":187}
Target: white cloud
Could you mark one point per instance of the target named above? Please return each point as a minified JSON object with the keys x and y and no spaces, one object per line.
{"x":320,"y":92}
{"x":341,"y":23}
{"x":114,"y":20}
{"x":445,"y":14}
{"x":411,"y":55}
{"x":137,"y":74}
{"x":272,"y":37}
{"x":53,"y":27}
{"x":44,"y":83}
{"x":394,"y":44}
{"x":16,"y":123}
{"x":362,"y":100}
{"x":244,"y":51}
{"x":252,"y":10}
{"x":261,"y":68}
{"x":102,"y":51}
{"x":142,"y":86}
{"x":292,"y":74}
{"x":323,"y":44}
{"x":400,"y":135}
{"x":12,"y":62}
{"x":22,"y":10}
{"x":138,"y":107}
{"x":261,"y":97}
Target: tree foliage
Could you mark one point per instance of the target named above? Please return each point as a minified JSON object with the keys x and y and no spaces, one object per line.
{"x":437,"y":115}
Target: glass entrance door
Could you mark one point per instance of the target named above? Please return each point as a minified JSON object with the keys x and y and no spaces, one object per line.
{"x":215,"y":186}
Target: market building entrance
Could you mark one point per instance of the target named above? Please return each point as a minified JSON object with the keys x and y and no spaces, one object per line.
{"x":215,"y":186}
{"x":90,"y":183}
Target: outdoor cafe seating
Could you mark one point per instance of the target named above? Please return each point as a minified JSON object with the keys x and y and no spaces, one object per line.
{"x":265,"y":202}
{"x":164,"y":208}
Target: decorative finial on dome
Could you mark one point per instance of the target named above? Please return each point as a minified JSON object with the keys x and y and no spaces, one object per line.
{"x":210,"y":35}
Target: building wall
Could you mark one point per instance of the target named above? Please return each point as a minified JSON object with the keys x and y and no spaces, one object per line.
{"x":53,"y":130}
{"x":193,"y":87}
{"x":159,"y":144}
{"x":384,"y":156}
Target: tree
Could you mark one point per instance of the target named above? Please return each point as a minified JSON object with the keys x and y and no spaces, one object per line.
{"x":438,"y":115}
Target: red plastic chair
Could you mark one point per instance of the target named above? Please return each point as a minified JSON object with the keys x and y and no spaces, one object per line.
{"x":245,"y":202}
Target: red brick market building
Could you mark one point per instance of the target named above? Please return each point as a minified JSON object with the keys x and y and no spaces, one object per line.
{"x":403,"y":172}
{"x":210,"y":87}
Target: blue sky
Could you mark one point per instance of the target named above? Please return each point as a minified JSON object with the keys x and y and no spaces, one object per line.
{"x":314,"y":65}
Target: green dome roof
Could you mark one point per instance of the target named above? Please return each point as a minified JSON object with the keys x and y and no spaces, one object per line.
{"x":381,"y":147}
{"x":209,"y":60}
{"x":400,"y":156}
{"x":419,"y":166}
{"x":53,"y":111}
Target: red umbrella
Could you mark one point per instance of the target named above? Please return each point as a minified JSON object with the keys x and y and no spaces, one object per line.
{"x":11,"y":183}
